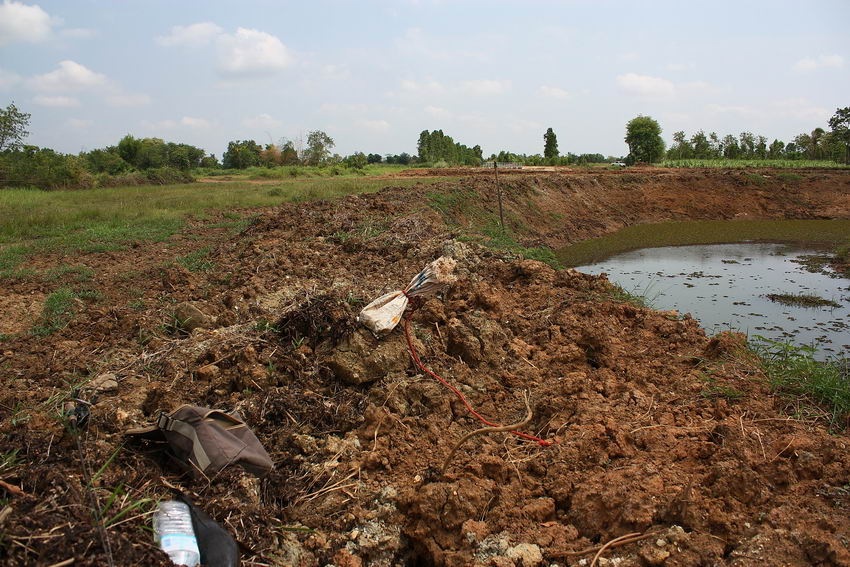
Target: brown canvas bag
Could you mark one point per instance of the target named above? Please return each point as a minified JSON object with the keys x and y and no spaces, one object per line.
{"x":208,"y":440}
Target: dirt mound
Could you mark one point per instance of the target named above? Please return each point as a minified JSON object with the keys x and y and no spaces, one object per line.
{"x":656,"y":429}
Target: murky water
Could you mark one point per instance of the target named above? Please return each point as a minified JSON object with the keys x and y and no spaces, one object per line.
{"x":725,"y":287}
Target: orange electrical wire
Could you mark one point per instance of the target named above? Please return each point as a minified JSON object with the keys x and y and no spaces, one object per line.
{"x":415,"y":356}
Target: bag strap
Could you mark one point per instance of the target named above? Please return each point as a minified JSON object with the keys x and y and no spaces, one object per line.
{"x":168,"y":423}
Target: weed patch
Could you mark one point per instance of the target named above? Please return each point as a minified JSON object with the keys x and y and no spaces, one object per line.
{"x":808,"y":383}
{"x":638,"y":299}
{"x":197,"y":261}
{"x":801,"y":300}
{"x":70,"y":273}
{"x":58,"y":310}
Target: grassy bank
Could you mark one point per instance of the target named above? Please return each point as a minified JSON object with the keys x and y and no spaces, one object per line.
{"x":814,"y":389}
{"x":829,"y":232}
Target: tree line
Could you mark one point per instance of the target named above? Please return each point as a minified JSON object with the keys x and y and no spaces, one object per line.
{"x":134,"y":161}
{"x":643,"y":136}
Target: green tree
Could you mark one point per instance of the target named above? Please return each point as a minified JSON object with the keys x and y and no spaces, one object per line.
{"x":715,"y":144}
{"x":643,"y":136}
{"x":357,"y":160}
{"x":550,"y":149}
{"x":681,"y":148}
{"x":128,"y":149}
{"x":816,"y":140}
{"x":840,"y":126}
{"x":241,"y":155}
{"x":701,"y":146}
{"x":761,"y":147}
{"x":776,"y":150}
{"x":747,"y":144}
{"x":319,"y":147}
{"x":730,"y":147}
{"x":106,"y":161}
{"x":209,"y":161}
{"x":13,"y":127}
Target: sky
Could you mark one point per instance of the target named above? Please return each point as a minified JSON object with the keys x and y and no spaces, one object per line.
{"x":373,"y":74}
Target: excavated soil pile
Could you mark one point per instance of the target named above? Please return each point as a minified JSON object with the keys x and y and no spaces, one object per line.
{"x":656,"y":429}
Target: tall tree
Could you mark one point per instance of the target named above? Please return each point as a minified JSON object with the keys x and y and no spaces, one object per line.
{"x":13,"y":127}
{"x":643,"y":136}
{"x":776,"y":150}
{"x":550,"y":149}
{"x":731,"y":149}
{"x":816,"y":148}
{"x":319,"y":147}
{"x":716,"y":145}
{"x":840,"y":126}
{"x":681,"y":148}
{"x":700,"y":145}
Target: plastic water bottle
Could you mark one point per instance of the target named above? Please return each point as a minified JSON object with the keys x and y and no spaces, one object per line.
{"x":172,"y":526}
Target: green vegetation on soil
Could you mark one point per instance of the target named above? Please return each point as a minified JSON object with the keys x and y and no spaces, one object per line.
{"x":99,"y":220}
{"x":812,"y":386}
{"x":753,"y":163}
{"x":801,"y":300}
{"x":463,"y":209}
{"x":58,"y":310}
{"x":832,"y":232}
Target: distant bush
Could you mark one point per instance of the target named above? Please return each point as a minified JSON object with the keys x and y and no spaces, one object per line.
{"x":43,"y":168}
{"x":168,"y":176}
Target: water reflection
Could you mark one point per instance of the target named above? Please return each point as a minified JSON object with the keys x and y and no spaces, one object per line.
{"x":725,"y":286}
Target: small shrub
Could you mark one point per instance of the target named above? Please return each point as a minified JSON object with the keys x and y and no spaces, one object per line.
{"x":168,"y":176}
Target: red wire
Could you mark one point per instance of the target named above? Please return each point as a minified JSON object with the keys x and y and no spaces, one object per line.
{"x":458,"y":393}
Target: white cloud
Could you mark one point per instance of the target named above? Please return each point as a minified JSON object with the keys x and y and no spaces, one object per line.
{"x":8,"y":79}
{"x":801,"y":109}
{"x":78,"y":123}
{"x":56,"y":101}
{"x":348,"y":109}
{"x":821,"y":62}
{"x":78,"y":33}
{"x":430,"y":87}
{"x":335,"y":72}
{"x":246,"y":52}
{"x":70,"y":76}
{"x":679,"y":66}
{"x":19,"y":22}
{"x":261,"y":121}
{"x":646,"y":86}
{"x":436,"y":112}
{"x":194,"y":35}
{"x":127,"y":100}
{"x":553,"y":92}
{"x":740,"y":110}
{"x":249,"y":52}
{"x":484,"y":87}
{"x":159,"y":125}
{"x":376,"y":125}
{"x":415,"y":44}
{"x":193,"y":122}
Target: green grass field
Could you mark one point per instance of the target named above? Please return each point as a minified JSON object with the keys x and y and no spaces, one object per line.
{"x":104,"y":219}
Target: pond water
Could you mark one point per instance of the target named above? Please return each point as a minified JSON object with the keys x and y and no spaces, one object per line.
{"x":726,"y":287}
